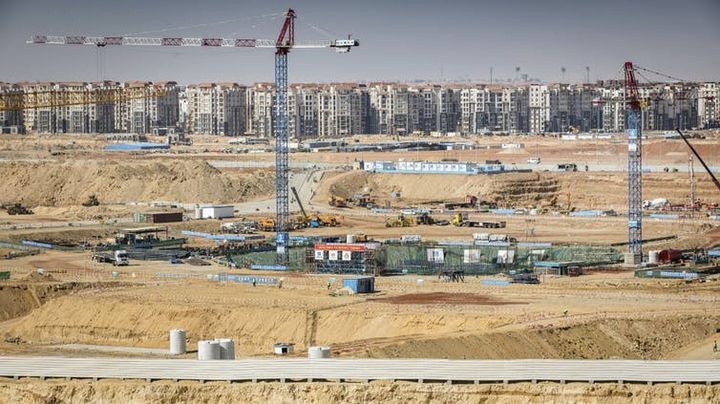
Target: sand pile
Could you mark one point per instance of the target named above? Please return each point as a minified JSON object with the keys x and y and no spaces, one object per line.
{"x":518,"y":189}
{"x":70,"y":183}
{"x":583,"y":190}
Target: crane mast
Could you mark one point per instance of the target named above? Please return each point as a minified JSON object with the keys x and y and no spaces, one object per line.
{"x":284,"y":43}
{"x":633,"y":125}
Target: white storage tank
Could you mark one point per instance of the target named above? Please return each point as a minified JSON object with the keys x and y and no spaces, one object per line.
{"x":653,"y":256}
{"x":208,"y":350}
{"x":227,"y":348}
{"x":318,"y":352}
{"x":177,"y":342}
{"x":350,"y":239}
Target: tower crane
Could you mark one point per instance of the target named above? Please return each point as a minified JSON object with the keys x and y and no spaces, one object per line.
{"x":283,"y":45}
{"x":634,"y":127}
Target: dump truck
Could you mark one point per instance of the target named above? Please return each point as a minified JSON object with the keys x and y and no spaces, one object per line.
{"x":118,"y":258}
{"x":337,"y":201}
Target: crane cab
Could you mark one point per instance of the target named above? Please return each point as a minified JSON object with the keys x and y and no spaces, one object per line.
{"x":344,"y":45}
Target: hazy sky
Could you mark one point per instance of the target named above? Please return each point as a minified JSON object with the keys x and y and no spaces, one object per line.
{"x":400,"y":40}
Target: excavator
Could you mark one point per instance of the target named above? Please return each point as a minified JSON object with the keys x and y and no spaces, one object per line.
{"x":314,"y":221}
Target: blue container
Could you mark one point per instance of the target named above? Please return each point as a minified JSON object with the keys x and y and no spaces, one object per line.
{"x":361,"y":284}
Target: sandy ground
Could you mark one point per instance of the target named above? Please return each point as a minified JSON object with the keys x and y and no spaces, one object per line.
{"x":604,"y":315}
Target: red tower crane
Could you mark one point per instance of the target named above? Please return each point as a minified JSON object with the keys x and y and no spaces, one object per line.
{"x":284,"y":43}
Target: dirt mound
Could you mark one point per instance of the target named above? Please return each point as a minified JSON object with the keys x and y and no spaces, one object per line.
{"x":110,"y":391}
{"x":604,"y":339}
{"x":443,"y":298}
{"x":19,"y":299}
{"x":582,"y":190}
{"x":70,"y":182}
{"x":518,"y":189}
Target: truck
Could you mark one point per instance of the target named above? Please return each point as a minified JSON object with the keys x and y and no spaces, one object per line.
{"x":470,"y":202}
{"x":462,"y":220}
{"x":118,"y":258}
{"x":567,"y":167}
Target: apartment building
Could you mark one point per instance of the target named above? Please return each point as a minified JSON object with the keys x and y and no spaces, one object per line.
{"x":344,"y":109}
{"x":261,"y":97}
{"x":216,"y":109}
{"x":708,"y":109}
{"x":11,"y":120}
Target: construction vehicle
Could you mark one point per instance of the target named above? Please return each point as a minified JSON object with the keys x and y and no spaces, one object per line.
{"x":266,"y":224}
{"x":362,"y":200}
{"x":329,"y":220}
{"x":469,"y":203}
{"x":17,"y":209}
{"x":425,"y":219}
{"x":304,"y":220}
{"x":400,"y":221}
{"x":462,"y":220}
{"x":118,"y":258}
{"x":337,"y":201}
{"x":567,"y":167}
{"x":92,"y":200}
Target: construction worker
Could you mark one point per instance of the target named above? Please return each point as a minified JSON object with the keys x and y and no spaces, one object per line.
{"x":715,"y":347}
{"x":565,"y":312}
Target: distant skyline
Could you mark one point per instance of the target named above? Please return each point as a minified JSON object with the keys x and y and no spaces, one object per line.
{"x":399,"y":41}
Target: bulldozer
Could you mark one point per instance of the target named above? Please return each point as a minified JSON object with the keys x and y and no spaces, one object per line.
{"x":400,"y":221}
{"x":337,"y":201}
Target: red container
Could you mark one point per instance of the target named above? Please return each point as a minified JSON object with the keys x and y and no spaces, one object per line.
{"x":671,"y":255}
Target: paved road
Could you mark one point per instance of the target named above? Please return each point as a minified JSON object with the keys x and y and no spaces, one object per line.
{"x":366,"y":369}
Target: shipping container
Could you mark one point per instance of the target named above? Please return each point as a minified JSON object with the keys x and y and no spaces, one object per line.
{"x":670,"y":255}
{"x":158,"y":217}
{"x":361,"y":284}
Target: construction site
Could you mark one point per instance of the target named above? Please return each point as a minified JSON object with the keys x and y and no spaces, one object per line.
{"x":603,"y":249}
